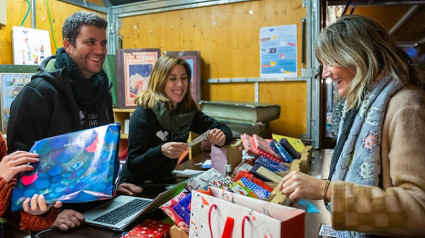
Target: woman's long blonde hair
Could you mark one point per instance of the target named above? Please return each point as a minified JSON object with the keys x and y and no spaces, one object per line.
{"x":156,"y":86}
{"x":363,"y":44}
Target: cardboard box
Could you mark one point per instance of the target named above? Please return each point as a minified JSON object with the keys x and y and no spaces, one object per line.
{"x":177,"y":232}
{"x":234,"y":153}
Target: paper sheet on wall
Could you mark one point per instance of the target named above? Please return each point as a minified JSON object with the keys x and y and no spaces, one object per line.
{"x":278,"y":51}
{"x":30,"y":46}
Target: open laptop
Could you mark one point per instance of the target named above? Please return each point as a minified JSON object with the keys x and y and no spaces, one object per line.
{"x":125,"y":212}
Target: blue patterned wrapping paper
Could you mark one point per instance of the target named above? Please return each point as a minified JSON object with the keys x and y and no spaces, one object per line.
{"x":182,"y":208}
{"x":289,"y":148}
{"x":259,"y":191}
{"x":277,"y":151}
{"x":280,"y":150}
{"x":76,"y":167}
{"x":285,"y":152}
{"x":271,"y":165}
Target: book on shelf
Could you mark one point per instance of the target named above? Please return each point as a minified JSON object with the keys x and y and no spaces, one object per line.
{"x":241,"y":111}
{"x":240,"y":127}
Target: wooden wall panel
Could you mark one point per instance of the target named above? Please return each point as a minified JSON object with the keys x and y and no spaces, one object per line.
{"x":228,"y":38}
{"x":234,"y":92}
{"x":388,"y":16}
{"x":292,"y":98}
{"x":16,"y":11}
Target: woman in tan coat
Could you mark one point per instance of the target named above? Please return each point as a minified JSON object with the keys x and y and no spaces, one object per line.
{"x":376,"y":183}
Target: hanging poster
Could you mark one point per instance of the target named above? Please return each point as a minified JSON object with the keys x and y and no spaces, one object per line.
{"x":30,"y":46}
{"x":134,"y":67}
{"x":278,"y":51}
{"x":11,"y":85}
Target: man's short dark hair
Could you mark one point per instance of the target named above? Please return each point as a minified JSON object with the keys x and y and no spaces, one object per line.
{"x":72,"y":25}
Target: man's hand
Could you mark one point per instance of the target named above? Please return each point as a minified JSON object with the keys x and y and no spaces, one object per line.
{"x":129,"y":189}
{"x":67,"y":220}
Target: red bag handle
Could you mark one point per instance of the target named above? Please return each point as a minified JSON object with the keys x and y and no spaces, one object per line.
{"x":228,"y":226}
{"x":209,"y":217}
{"x":243,"y":225}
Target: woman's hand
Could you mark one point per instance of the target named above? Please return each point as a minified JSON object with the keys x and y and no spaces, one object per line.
{"x":217,"y":137}
{"x":38,"y":205}
{"x":15,"y":163}
{"x":297,"y":186}
{"x":129,"y":189}
{"x":173,"y":150}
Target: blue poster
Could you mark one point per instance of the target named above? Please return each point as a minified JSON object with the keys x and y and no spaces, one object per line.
{"x":278,"y":51}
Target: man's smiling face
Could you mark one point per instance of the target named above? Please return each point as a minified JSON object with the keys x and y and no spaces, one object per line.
{"x":90,"y":50}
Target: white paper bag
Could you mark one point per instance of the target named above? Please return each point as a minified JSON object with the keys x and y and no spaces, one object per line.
{"x":259,"y":218}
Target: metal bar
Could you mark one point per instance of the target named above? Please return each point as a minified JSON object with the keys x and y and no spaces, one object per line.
{"x":257,"y":92}
{"x":87,"y":5}
{"x":257,"y":80}
{"x":346,"y":7}
{"x":313,"y":85}
{"x":153,"y":6}
{"x":421,"y":41}
{"x":303,"y":36}
{"x":375,"y":3}
{"x":33,"y":15}
{"x":112,"y":32}
{"x":402,"y":20}
{"x":404,"y":44}
{"x":106,"y":3}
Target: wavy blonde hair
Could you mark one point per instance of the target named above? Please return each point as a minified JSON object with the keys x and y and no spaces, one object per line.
{"x":363,"y":44}
{"x":155,"y":90}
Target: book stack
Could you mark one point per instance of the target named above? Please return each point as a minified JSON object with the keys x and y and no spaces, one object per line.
{"x":242,"y":117}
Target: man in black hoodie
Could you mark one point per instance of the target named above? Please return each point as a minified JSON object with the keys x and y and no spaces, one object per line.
{"x":70,"y":92}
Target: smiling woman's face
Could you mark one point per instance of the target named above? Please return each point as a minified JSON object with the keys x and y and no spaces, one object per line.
{"x":176,"y":85}
{"x":340,"y":75}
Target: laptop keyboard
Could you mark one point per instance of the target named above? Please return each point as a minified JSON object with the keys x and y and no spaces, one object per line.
{"x":122,"y":212}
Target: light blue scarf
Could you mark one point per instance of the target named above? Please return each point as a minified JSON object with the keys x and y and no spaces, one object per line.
{"x":360,"y":159}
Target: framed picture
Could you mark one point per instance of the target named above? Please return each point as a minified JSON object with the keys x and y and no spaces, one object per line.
{"x":193,"y":58}
{"x":11,"y":85}
{"x":134,"y":66}
{"x":12,"y":79}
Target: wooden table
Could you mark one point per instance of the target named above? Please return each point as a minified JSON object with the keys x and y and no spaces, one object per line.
{"x":318,"y":168}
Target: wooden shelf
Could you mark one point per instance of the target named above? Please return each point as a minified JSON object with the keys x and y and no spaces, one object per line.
{"x":123,"y":110}
{"x":121,"y":115}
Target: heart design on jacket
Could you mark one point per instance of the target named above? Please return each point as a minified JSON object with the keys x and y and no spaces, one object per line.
{"x":162,"y":135}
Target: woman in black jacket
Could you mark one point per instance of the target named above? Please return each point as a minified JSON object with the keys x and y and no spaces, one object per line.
{"x":160,"y":126}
